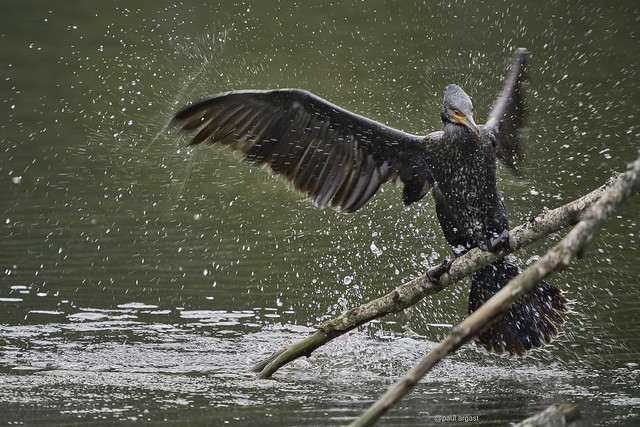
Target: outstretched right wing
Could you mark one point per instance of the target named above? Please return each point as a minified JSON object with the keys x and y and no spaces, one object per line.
{"x":330,"y":154}
{"x":508,"y":113}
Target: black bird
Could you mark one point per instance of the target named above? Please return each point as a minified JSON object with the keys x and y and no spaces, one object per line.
{"x":338,"y":158}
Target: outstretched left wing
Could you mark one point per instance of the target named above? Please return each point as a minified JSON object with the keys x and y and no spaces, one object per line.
{"x":331,"y":155}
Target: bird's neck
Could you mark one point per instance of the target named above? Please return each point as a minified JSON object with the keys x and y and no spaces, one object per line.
{"x":461,"y":137}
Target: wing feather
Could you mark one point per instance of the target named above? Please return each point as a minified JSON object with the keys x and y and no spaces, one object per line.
{"x":330,"y":154}
{"x":507,"y":116}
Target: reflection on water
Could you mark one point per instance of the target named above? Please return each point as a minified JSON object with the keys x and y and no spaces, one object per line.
{"x":141,"y":279}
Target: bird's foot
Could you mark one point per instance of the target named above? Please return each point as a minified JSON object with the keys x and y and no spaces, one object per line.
{"x":500,"y":242}
{"x":496,"y":243}
{"x":435,"y":273}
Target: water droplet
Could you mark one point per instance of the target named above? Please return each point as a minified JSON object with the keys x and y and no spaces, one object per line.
{"x":376,"y":251}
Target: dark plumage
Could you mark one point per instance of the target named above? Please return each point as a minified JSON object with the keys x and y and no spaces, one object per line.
{"x":338,"y":158}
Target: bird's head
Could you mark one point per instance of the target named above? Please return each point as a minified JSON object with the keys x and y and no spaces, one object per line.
{"x":457,"y":108}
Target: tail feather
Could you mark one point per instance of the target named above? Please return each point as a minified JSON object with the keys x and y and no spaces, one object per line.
{"x":529,"y":322}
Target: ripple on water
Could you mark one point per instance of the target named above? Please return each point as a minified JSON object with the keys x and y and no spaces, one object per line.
{"x":95,"y":368}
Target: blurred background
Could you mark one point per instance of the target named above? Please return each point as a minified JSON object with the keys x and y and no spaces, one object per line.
{"x":141,"y":278}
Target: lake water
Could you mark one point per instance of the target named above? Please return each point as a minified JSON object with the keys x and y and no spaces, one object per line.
{"x":142,"y":279}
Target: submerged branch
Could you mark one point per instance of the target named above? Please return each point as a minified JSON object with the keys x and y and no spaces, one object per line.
{"x":561,"y":414}
{"x":413,"y":291}
{"x":555,"y":259}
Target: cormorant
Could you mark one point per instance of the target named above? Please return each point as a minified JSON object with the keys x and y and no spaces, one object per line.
{"x":337,"y":157}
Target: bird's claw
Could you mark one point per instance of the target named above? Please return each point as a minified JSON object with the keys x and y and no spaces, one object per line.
{"x":496,"y":244}
{"x":500,"y":242}
{"x":435,"y":273}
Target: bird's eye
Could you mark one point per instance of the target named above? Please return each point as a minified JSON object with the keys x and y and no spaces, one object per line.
{"x":457,"y":112}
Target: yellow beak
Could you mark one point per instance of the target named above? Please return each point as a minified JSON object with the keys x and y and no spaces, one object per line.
{"x":468,"y":122}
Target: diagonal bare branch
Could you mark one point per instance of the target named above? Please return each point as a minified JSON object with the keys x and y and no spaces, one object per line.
{"x":415,"y":290}
{"x":558,"y":258}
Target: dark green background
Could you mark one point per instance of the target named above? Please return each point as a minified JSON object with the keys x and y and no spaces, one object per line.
{"x":141,"y":279}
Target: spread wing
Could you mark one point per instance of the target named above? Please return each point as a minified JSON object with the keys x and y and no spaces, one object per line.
{"x":331,"y":155}
{"x":508,"y":113}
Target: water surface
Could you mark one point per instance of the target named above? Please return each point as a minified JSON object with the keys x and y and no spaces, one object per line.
{"x":142,"y":279}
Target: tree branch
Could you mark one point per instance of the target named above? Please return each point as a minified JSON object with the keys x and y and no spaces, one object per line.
{"x":410,"y":293}
{"x":557,"y":258}
{"x":562,"y":414}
